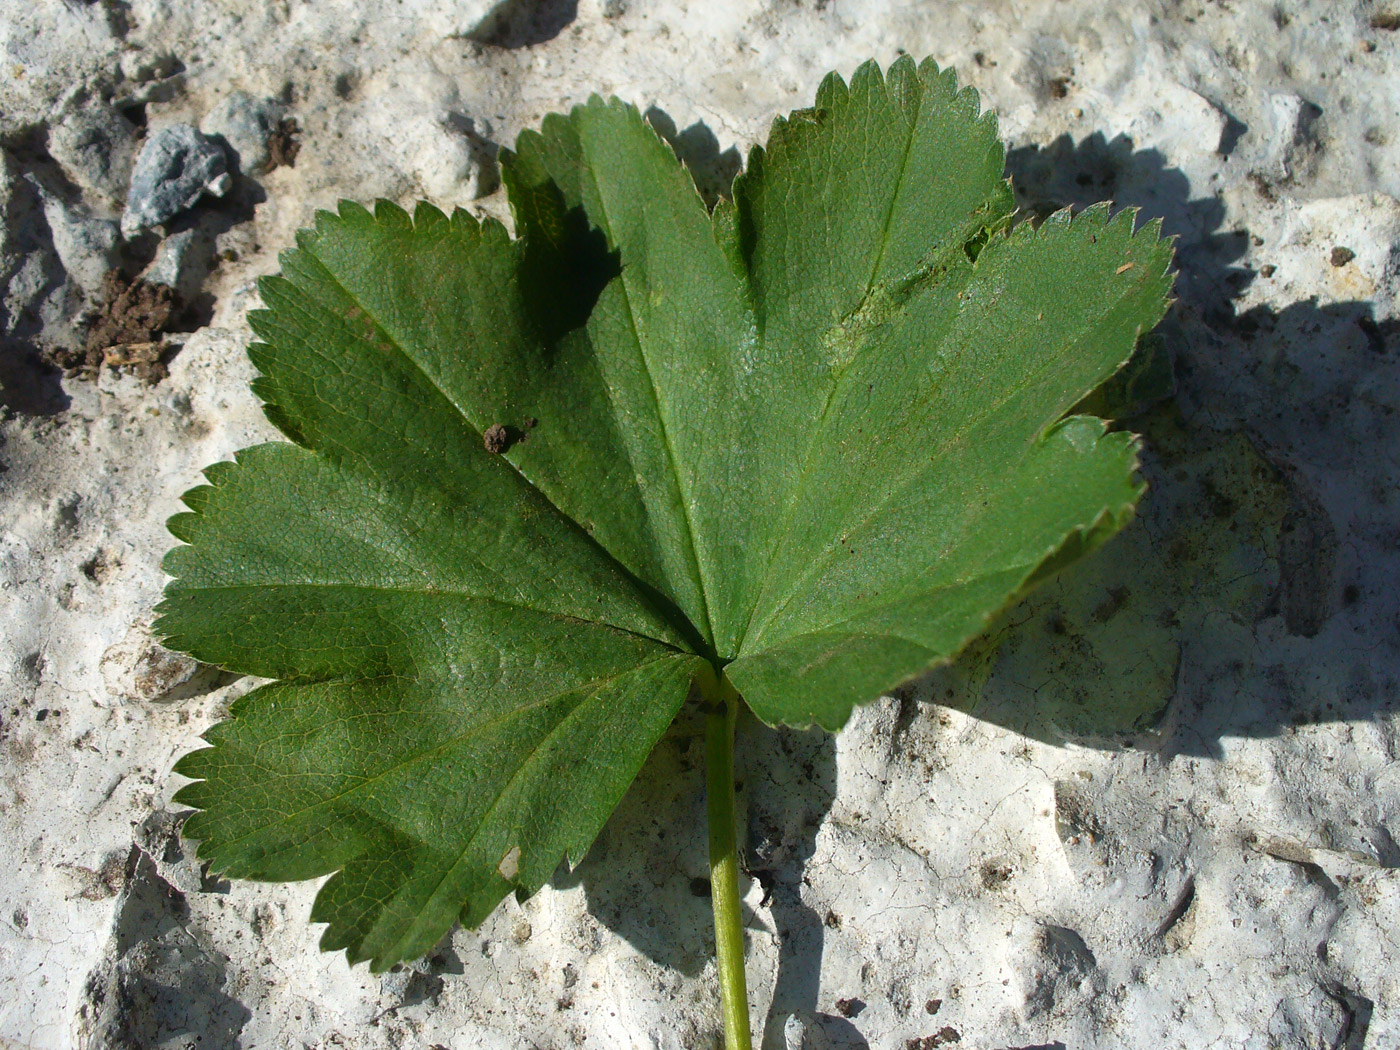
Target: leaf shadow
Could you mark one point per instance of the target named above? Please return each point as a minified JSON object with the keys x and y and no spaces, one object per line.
{"x":525,"y":23}
{"x":713,"y":169}
{"x":158,"y":982}
{"x":1237,"y":603}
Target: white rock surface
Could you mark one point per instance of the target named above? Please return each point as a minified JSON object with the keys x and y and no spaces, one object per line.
{"x":1223,"y":873}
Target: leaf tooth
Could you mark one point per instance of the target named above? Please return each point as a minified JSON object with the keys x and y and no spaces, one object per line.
{"x":833,"y":91}
{"x":551,"y":127}
{"x":1125,"y":219}
{"x":326,"y":220}
{"x":197,"y":498}
{"x":184,"y":527}
{"x":261,"y":387}
{"x":466,"y":224}
{"x":491,"y":230}
{"x":529,"y":138}
{"x":753,"y":170}
{"x":1152,"y":230}
{"x":161,"y":625}
{"x":944,"y":83}
{"x":930,"y":70}
{"x":348,"y":213}
{"x":867,"y":77}
{"x":306,"y":236}
{"x":222,"y":472}
{"x":966,"y":96}
{"x":595,"y":101}
{"x":1100,"y":213}
{"x":427,"y":216}
{"x":291,"y":259}
{"x":195,"y":764}
{"x":902,"y":83}
{"x":905,"y":65}
{"x":390,"y":216}
{"x":186,"y":767}
{"x":262,"y":320}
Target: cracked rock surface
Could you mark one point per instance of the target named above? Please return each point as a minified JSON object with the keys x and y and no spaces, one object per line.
{"x":970,"y":863}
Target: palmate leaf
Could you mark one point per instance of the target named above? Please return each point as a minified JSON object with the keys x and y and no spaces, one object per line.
{"x":810,"y":442}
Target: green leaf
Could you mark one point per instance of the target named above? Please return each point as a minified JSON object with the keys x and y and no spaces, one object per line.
{"x":812,"y":442}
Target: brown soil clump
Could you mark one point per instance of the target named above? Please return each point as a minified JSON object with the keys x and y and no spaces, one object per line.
{"x":125,"y":331}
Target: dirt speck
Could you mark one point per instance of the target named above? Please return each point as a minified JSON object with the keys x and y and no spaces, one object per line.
{"x":496,"y":438}
{"x":1341,"y":256}
{"x":102,"y":883}
{"x":283,"y":145}
{"x":100,"y":566}
{"x":945,"y":1035}
{"x":996,"y":874}
{"x":1386,"y":20}
{"x":1262,"y":185}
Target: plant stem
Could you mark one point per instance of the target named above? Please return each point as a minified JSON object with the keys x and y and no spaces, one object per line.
{"x":722,"y":709}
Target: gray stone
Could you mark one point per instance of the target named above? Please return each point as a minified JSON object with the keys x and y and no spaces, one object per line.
{"x":22,"y":276}
{"x":86,"y":245}
{"x":53,"y":256}
{"x":34,"y":298}
{"x":464,"y":19}
{"x":177,"y":166}
{"x":802,"y":1031}
{"x":1294,"y":142}
{"x":155,"y":982}
{"x":95,"y":146}
{"x":245,"y":123}
{"x":169,"y":266}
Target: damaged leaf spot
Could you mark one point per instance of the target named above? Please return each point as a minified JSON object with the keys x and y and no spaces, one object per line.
{"x":510,"y":864}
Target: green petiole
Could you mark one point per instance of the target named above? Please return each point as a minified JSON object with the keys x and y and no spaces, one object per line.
{"x":721,"y":711}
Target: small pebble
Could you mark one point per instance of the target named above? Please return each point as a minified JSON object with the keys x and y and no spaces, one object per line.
{"x":176,"y":167}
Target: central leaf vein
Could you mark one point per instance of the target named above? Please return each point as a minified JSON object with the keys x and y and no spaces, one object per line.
{"x":682,"y":493}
